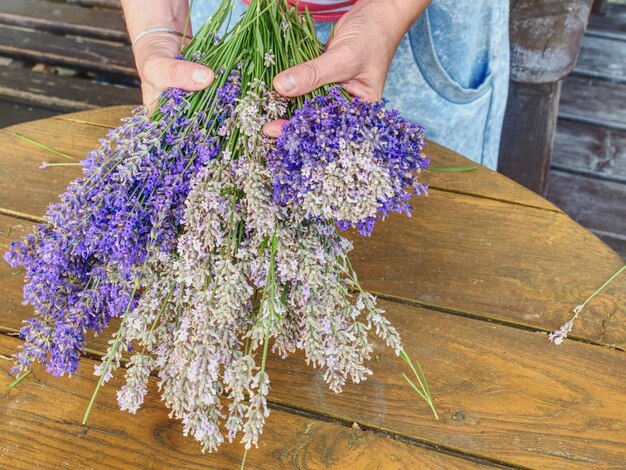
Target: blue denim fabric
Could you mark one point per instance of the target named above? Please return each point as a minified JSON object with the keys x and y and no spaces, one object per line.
{"x":450,"y":73}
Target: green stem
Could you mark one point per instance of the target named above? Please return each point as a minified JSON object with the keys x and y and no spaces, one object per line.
{"x":243,"y":460}
{"x":601,"y":288}
{"x":118,"y":336}
{"x":423,"y":391}
{"x":47,"y":165}
{"x":42,"y":146}
{"x":19,"y":379}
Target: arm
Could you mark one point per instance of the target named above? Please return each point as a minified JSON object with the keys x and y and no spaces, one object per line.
{"x":358,"y":55}
{"x":155,"y":53}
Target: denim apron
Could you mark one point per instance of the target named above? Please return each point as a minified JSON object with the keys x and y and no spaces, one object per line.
{"x":450,"y":72}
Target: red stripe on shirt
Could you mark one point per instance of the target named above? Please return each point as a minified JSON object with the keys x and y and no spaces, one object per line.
{"x":322,"y":12}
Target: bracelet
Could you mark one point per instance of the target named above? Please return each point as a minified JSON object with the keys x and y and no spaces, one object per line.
{"x":157,"y":30}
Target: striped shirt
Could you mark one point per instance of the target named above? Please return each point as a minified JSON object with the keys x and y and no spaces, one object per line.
{"x":323,"y":10}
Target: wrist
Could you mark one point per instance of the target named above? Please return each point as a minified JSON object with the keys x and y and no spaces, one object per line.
{"x":142,"y":15}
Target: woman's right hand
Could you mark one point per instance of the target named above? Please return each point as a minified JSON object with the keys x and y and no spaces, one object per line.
{"x":155,"y":56}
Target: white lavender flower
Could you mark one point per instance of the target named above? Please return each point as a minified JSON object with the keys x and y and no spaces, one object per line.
{"x":558,"y":336}
{"x":131,"y":395}
{"x":269,"y":59}
{"x":337,"y":189}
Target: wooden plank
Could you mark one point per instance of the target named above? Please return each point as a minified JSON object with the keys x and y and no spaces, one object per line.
{"x":41,"y":429}
{"x":104,"y":58}
{"x":615,"y":241}
{"x":444,"y":236}
{"x":593,"y":102}
{"x":611,"y":24}
{"x":496,"y":261}
{"x":482,"y":182}
{"x":591,"y":151}
{"x":12,"y":113}
{"x":61,"y":93}
{"x":64,"y":18}
{"x":466,"y":255}
{"x":596,"y":204}
{"x":503,"y":394}
{"x":602,"y":58}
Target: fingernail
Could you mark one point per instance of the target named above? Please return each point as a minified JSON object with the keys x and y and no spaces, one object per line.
{"x":201,"y":76}
{"x":285,"y":82}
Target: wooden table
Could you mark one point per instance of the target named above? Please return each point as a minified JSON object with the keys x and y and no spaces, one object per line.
{"x":473,"y":282}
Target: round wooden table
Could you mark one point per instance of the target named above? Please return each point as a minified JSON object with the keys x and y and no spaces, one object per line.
{"x":473,"y":281}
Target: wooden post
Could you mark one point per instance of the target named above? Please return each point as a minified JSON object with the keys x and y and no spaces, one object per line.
{"x":599,"y":7}
{"x":528,"y":133}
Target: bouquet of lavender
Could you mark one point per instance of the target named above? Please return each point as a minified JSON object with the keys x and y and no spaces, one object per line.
{"x":214,"y":243}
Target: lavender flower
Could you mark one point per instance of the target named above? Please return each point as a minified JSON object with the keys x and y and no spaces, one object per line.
{"x":558,"y":336}
{"x":349,"y":161}
{"x":83,"y":263}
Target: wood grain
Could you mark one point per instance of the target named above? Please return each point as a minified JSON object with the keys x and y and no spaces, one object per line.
{"x":41,"y":428}
{"x":63,"y":18}
{"x":591,"y":151}
{"x":496,"y":261}
{"x":611,"y":24}
{"x":597,"y":204}
{"x":503,"y":394}
{"x":61,"y":93}
{"x":603,"y":58}
{"x":594,"y":102}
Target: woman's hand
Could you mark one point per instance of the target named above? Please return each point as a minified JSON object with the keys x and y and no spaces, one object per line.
{"x":155,"y":53}
{"x":359,"y":54}
{"x":159,"y":69}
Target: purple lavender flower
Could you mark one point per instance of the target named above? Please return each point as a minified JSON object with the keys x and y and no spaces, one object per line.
{"x":348,"y":160}
{"x":83,"y":264}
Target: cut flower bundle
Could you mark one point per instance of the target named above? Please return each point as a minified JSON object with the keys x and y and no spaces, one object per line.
{"x":216,"y":244}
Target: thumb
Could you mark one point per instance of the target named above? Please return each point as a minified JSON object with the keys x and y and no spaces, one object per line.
{"x":165,"y":72}
{"x":304,"y":78}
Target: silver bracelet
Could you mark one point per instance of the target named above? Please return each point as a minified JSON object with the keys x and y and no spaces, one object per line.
{"x":157,"y":30}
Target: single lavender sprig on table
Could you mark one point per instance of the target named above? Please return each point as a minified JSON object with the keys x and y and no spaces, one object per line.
{"x":558,"y":336}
